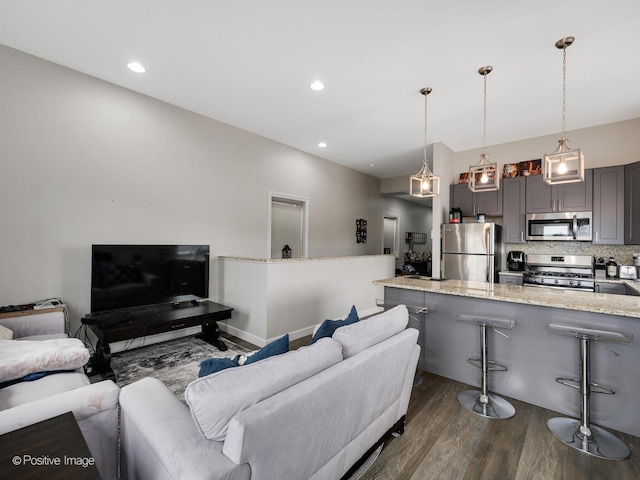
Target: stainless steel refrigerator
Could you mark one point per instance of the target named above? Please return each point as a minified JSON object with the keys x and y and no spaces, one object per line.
{"x":471,"y":251}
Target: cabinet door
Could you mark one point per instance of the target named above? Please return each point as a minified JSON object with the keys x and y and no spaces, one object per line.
{"x":462,"y":198}
{"x":608,"y":205}
{"x":513,"y":218}
{"x":632,"y":204}
{"x":511,"y":279}
{"x":569,"y":197}
{"x":576,"y":197}
{"x":489,"y":203}
{"x":540,"y":196}
{"x":611,"y":288}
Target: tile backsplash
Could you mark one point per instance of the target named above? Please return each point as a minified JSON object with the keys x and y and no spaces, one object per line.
{"x":623,"y":254}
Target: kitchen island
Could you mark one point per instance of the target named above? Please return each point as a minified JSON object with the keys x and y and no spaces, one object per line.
{"x":534,"y":356}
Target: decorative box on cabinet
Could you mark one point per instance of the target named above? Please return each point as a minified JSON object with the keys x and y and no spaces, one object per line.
{"x":568,"y":197}
{"x":608,"y":205}
{"x":473,"y":203}
{"x":513,"y":210}
{"x":632,"y":204}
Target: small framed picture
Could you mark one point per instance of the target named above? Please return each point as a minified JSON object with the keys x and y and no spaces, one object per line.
{"x":464,"y":177}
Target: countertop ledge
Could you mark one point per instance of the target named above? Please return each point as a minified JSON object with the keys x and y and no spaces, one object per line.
{"x":623,"y":305}
{"x":299,"y":259}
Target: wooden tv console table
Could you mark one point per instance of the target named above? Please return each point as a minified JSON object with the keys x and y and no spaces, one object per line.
{"x":151,"y":320}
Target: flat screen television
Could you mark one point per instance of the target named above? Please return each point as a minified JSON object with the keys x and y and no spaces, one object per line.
{"x":127,"y":276}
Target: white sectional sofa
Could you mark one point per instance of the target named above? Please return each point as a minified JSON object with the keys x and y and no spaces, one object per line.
{"x":95,"y":406}
{"x":307,"y":414}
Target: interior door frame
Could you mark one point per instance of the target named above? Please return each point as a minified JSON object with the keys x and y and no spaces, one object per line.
{"x":296,"y":200}
{"x":396,"y":235}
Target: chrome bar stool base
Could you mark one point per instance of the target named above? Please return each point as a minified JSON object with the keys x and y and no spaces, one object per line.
{"x":580,"y":433}
{"x":600,"y":443}
{"x":493,"y":406}
{"x":481,"y":402}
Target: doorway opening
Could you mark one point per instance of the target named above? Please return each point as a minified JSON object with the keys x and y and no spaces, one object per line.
{"x":390,"y":238}
{"x":288,"y":225}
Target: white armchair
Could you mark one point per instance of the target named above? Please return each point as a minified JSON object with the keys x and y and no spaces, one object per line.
{"x":95,"y":406}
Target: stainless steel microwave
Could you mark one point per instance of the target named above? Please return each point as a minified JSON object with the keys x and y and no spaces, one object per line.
{"x":563,"y":226}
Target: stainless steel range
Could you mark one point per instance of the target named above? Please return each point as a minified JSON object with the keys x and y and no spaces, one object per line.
{"x":560,"y":271}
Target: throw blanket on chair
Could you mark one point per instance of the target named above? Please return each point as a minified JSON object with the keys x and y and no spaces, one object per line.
{"x":19,"y":358}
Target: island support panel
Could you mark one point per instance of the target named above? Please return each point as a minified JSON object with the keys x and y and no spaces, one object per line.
{"x":534,"y":356}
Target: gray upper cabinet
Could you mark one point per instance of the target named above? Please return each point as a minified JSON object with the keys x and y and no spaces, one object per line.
{"x":472,"y":203}
{"x":608,"y":205}
{"x":513,"y":211}
{"x":632,"y":204}
{"x":569,"y":197}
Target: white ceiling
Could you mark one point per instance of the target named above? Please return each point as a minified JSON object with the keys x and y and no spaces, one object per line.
{"x":249,"y":63}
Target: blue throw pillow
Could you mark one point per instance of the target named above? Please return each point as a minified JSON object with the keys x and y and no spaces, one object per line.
{"x":329,"y":326}
{"x":276,"y":347}
{"x":213,"y":365}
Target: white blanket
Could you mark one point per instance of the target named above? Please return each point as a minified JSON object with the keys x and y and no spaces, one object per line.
{"x":22,"y":357}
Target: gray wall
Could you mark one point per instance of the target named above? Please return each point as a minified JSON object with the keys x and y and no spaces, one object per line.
{"x":83,"y":161}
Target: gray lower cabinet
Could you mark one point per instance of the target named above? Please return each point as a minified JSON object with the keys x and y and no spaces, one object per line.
{"x":569,"y":197}
{"x":412,"y":299}
{"x":472,"y":203}
{"x":511,"y":279}
{"x":611,"y":288}
{"x":608,"y":205}
{"x":513,"y":210}
{"x":632,"y":204}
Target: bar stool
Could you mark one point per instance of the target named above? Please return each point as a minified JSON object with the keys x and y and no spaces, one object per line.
{"x":580,"y":434}
{"x":481,"y":402}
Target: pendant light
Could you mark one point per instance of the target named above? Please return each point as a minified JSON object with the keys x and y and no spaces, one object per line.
{"x":565,"y":165}
{"x":425,"y":183}
{"x":483,"y":177}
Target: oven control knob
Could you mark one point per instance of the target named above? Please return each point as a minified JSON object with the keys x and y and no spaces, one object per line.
{"x":556,"y":280}
{"x":578,"y":283}
{"x":570,"y":282}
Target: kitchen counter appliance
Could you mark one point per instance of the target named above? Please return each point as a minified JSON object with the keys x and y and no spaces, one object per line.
{"x":562,"y":226}
{"x":471,"y":251}
{"x":515,"y":261}
{"x":560,"y":271}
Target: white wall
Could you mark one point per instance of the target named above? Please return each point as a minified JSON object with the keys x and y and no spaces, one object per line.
{"x":603,"y":146}
{"x":83,"y":161}
{"x":271,"y":298}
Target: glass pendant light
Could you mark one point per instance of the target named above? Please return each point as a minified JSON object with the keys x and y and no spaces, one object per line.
{"x":483,"y":177}
{"x":565,"y":165}
{"x":425,"y":183}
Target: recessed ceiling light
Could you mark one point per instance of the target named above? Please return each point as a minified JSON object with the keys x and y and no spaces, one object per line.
{"x":322,"y":145}
{"x":317,"y":85}
{"x":136,"y":67}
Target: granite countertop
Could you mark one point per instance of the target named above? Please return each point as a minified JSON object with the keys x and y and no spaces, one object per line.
{"x":623,"y":305}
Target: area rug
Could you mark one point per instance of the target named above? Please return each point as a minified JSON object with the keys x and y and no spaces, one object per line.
{"x":176,"y":362}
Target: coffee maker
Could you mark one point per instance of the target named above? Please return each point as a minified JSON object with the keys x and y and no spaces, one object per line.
{"x":515,"y":261}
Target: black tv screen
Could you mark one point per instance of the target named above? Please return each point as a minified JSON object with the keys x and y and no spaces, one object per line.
{"x":125,"y":276}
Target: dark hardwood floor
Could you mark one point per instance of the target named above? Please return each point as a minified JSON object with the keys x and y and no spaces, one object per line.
{"x":444,"y":441}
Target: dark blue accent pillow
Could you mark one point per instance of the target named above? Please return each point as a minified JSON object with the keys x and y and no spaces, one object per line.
{"x":329,"y":326}
{"x":213,"y":365}
{"x":277,"y":347}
